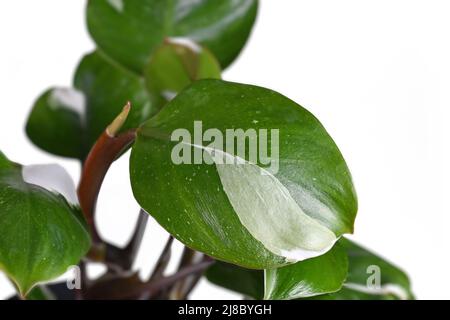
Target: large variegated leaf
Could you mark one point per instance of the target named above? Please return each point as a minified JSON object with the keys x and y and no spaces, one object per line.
{"x":288,"y":203}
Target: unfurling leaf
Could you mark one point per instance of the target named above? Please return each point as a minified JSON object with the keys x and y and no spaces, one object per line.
{"x":175,"y":65}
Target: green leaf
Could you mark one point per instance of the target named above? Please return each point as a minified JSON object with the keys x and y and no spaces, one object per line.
{"x":107,"y":88}
{"x":40,"y":293}
{"x":248,"y":282}
{"x":366,"y":269}
{"x":308,"y":278}
{"x":40,"y":236}
{"x":175,"y":65}
{"x":255,"y":213}
{"x":350,"y":294}
{"x":394,"y":282}
{"x":55,"y":123}
{"x":129,"y":31}
{"x":302,"y":279}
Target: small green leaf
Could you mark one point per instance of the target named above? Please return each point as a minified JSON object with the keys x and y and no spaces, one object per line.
{"x":308,"y":278}
{"x":107,"y":88}
{"x":175,"y":65}
{"x":366,"y":269}
{"x":56,"y":122}
{"x":129,"y":31}
{"x":67,"y":122}
{"x":40,"y":236}
{"x":251,"y":212}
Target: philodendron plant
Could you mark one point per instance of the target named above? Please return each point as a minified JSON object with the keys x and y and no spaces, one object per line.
{"x":248,"y":180}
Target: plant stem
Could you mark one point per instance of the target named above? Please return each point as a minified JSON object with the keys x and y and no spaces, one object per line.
{"x":181,"y":289}
{"x":107,"y":148}
{"x":132,"y":248}
{"x":163,"y":260}
{"x":152,"y":288}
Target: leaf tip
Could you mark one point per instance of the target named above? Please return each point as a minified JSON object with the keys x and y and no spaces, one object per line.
{"x":118,"y":122}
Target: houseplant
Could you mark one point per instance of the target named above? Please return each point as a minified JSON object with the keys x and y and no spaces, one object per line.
{"x":281,"y":210}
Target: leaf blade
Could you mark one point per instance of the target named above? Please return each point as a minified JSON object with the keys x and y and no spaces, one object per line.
{"x":55,"y":123}
{"x":40,"y":234}
{"x":129,"y":31}
{"x":196,"y":207}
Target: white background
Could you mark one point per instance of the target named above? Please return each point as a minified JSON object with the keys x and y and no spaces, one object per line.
{"x":376,"y":73}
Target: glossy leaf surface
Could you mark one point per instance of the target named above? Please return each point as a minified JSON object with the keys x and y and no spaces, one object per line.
{"x":258,"y":214}
{"x":303,"y":279}
{"x":40,"y":234}
{"x":56,"y":122}
{"x":308,"y":278}
{"x":394,"y":283}
{"x":107,"y":88}
{"x":129,"y":30}
{"x":371,"y":277}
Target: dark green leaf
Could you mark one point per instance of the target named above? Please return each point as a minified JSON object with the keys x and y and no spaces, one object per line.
{"x":364,"y":281}
{"x":107,"y":88}
{"x":248,"y":282}
{"x":40,"y":293}
{"x":303,"y":279}
{"x":40,"y":236}
{"x":174,"y":66}
{"x":394,"y":282}
{"x":350,"y":294}
{"x":308,"y":278}
{"x":247,"y":213}
{"x":56,"y":122}
{"x":128,"y":31}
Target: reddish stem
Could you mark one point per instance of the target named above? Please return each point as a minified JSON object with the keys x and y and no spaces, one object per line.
{"x":97,"y":163}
